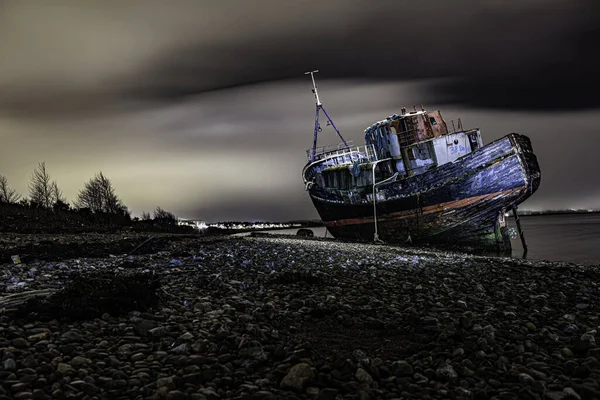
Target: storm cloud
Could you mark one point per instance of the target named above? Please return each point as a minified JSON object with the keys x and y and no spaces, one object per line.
{"x":202,"y":107}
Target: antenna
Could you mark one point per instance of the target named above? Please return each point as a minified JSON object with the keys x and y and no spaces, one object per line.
{"x":320,"y":107}
{"x":314,"y":90}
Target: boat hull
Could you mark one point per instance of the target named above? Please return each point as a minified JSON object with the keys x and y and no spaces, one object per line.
{"x":459,"y":203}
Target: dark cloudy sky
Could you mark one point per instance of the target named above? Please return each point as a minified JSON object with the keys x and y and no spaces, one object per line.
{"x":201,"y":107}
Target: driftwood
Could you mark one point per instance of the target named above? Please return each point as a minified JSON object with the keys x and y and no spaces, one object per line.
{"x":12,"y":301}
{"x":87,"y":296}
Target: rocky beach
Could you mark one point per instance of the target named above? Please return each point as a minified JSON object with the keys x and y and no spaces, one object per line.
{"x":268,"y":317}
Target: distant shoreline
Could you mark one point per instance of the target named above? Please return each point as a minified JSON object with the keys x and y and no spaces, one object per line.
{"x":538,"y":213}
{"x":248,"y":226}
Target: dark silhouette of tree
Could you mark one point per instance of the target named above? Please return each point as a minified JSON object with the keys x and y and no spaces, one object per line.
{"x":7,"y":195}
{"x":43,"y":192}
{"x":99,"y":196}
{"x":164,"y":217}
{"x":146,"y":216}
{"x":57,"y":196}
{"x":61,"y":205}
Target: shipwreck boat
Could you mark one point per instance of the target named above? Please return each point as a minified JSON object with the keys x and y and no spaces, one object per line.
{"x":420,"y":179}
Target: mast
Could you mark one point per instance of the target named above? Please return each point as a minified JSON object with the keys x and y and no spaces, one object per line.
{"x":319,"y":106}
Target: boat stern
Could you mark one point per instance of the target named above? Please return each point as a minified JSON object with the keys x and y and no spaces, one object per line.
{"x":529,"y":162}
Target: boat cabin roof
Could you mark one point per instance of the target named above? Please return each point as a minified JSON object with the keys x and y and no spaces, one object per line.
{"x":394,"y":117}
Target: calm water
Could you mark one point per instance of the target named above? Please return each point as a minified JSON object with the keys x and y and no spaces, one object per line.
{"x":573,"y":238}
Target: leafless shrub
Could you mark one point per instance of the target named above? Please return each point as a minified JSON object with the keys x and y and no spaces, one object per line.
{"x":7,"y":195}
{"x":99,"y":196}
{"x":164,"y":216}
{"x":44,"y":192}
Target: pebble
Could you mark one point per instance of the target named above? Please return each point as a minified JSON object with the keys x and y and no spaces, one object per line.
{"x":299,"y":375}
{"x":276,"y":318}
{"x":363,"y":376}
{"x":79,"y":361}
{"x":10,"y":364}
{"x":63,"y":367}
{"x":446,"y":373}
{"x":525,"y":379}
{"x":566,"y":352}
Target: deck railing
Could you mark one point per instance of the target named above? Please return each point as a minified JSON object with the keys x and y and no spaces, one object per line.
{"x":345,"y":155}
{"x":329,"y":148}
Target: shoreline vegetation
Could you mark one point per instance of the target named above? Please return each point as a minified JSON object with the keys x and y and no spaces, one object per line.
{"x":97,"y":208}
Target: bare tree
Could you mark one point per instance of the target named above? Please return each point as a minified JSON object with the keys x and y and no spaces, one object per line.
{"x":7,"y":195}
{"x":43,"y":191}
{"x":99,"y":195}
{"x":146,"y":216}
{"x":164,"y":216}
{"x":57,"y":194}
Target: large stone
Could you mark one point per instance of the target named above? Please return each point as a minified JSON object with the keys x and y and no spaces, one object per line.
{"x":39,"y":336}
{"x":63,"y":367}
{"x":166,"y":382}
{"x":446,"y":373}
{"x":363,"y":376}
{"x":402,"y":368}
{"x":209,"y":393}
{"x":89,"y":388}
{"x":586,"y":341}
{"x":143,"y":327}
{"x":327,"y":394}
{"x":72,"y":336}
{"x":79,"y":361}
{"x":298,"y":377}
{"x":571,"y":394}
{"x":10,"y":364}
{"x":566,"y":352}
{"x":20,"y":343}
{"x":525,"y":379}
{"x":176,"y":395}
{"x":159,"y":331}
{"x":253,"y":350}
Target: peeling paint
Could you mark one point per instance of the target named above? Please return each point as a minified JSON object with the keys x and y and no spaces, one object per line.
{"x":456,"y":197}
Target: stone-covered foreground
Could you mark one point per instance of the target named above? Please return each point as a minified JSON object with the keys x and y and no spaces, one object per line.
{"x":268,"y":318}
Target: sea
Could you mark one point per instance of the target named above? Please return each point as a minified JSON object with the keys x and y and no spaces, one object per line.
{"x":573,"y":238}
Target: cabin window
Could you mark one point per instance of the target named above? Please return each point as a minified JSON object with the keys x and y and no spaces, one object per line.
{"x":432,"y":120}
{"x":473,"y":141}
{"x":385,"y":168}
{"x":404,"y":126}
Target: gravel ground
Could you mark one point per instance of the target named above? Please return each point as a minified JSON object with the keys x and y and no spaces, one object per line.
{"x":268,"y":318}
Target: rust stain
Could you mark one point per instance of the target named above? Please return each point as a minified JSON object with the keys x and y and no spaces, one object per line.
{"x":423,"y":211}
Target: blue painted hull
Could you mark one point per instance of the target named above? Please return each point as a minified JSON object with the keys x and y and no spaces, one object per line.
{"x":459,"y":203}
